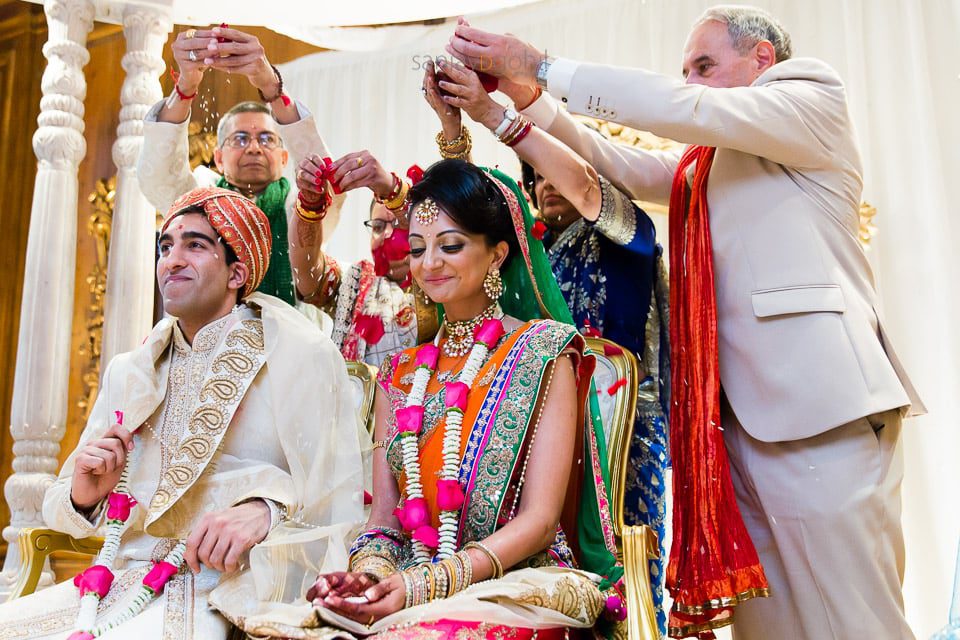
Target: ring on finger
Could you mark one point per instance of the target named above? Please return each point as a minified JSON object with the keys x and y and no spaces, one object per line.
{"x":359,"y":162}
{"x":370,"y":622}
{"x":190,"y":33}
{"x":192,"y":55}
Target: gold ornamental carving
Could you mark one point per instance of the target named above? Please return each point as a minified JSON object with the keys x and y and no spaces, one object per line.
{"x":98,"y":225}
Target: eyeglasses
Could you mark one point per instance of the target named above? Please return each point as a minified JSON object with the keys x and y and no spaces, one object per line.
{"x":242,"y":140}
{"x":378,"y":227}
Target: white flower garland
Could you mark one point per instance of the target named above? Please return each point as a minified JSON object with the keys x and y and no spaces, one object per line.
{"x":86,"y":626}
{"x":449,"y":519}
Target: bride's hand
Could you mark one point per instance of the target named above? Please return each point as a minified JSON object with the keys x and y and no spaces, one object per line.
{"x":382,"y":599}
{"x":340,"y":583}
{"x":468,"y":94}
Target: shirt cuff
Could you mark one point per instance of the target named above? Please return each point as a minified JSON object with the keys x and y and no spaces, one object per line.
{"x":302,"y":112}
{"x":560,"y":77}
{"x":542,"y":111}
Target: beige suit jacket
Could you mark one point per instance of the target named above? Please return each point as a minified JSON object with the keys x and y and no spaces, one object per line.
{"x":802,"y":347}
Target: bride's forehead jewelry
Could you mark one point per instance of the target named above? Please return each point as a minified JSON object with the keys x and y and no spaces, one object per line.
{"x":426,"y":212}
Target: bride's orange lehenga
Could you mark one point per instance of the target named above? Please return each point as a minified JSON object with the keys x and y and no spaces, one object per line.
{"x":500,"y":422}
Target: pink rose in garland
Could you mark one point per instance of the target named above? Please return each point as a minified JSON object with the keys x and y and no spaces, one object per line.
{"x":81,"y":635}
{"x":449,"y":495}
{"x":489,"y":333}
{"x":413,"y":514}
{"x":429,"y":536}
{"x":119,"y":506}
{"x":456,"y":395}
{"x":410,"y":419}
{"x":158,"y":576}
{"x":427,"y":356}
{"x":95,"y":579}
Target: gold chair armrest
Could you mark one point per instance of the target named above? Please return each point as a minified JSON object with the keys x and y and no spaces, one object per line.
{"x":639,"y":545}
{"x":36,"y":545}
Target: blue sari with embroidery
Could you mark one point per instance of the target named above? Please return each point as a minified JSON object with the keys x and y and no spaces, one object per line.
{"x":610,"y":273}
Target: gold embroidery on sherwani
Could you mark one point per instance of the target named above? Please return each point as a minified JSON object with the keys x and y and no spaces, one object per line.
{"x":197,"y":416}
{"x":575,"y":597}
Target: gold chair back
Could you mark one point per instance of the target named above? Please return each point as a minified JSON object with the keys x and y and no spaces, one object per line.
{"x":637,"y":544}
{"x":363,"y":378}
{"x":35,"y":546}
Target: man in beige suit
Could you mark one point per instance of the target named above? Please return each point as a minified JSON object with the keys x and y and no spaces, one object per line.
{"x":813,"y":393}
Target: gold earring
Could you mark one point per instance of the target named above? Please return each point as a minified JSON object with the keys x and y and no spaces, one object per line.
{"x":493,"y":284}
{"x":426,"y":298}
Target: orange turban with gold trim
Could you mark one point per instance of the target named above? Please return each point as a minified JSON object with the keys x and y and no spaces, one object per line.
{"x":238,"y":221}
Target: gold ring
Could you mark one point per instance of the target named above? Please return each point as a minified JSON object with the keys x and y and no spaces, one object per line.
{"x":190,"y":33}
{"x":359,"y":162}
{"x":371,"y":619}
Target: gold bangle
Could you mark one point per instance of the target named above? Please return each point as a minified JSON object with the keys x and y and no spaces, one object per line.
{"x":485,"y":550}
{"x":462,"y":140}
{"x":310,"y":216}
{"x":379,"y":444}
{"x":400,"y":199}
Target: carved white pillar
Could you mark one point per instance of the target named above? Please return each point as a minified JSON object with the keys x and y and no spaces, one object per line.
{"x":46,"y":309}
{"x":128,"y":304}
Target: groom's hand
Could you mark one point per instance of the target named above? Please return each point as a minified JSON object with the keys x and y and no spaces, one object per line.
{"x":503,"y":56}
{"x":222,"y":537}
{"x":98,"y":466}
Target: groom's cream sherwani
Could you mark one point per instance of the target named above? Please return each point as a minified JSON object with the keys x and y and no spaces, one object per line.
{"x":257,"y":407}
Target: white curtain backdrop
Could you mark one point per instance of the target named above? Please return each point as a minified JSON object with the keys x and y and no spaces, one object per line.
{"x":898,"y":58}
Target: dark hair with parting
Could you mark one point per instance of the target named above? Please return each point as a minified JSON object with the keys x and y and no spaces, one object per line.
{"x":528,"y":179}
{"x":471,"y":199}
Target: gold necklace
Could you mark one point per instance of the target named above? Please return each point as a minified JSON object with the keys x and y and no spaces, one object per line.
{"x":459,"y":333}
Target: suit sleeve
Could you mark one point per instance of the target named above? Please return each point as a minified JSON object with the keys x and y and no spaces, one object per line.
{"x":163,"y":169}
{"x":641,"y":173}
{"x":794,"y":116}
{"x":58,"y":511}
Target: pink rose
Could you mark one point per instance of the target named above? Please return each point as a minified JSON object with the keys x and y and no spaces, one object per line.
{"x":410,"y":419}
{"x":413,"y":514}
{"x":119,"y":506}
{"x":428,"y":536}
{"x":158,"y":576}
{"x":81,"y":635}
{"x":457,"y":395}
{"x":95,"y":579}
{"x":489,"y":332}
{"x":370,"y":328}
{"x":427,"y":356}
{"x":449,"y":495}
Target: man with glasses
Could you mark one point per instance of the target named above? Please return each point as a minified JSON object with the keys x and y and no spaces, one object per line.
{"x":374,"y":305}
{"x":254,"y":141}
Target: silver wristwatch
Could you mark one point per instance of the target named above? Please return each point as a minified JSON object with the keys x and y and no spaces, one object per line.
{"x":542,"y":71}
{"x":509,"y":116}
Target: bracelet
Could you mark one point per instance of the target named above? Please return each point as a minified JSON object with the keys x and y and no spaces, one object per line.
{"x":379,"y":444}
{"x":521,"y":135}
{"x":286,"y":100}
{"x":182,"y":95}
{"x":394,"y":190}
{"x":536,"y":96}
{"x":485,"y":550}
{"x":459,"y":147}
{"x":310,"y":216}
{"x":400,"y":199}
{"x":511,"y":132}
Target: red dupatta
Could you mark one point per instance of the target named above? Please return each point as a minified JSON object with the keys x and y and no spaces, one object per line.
{"x":713,"y":563}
